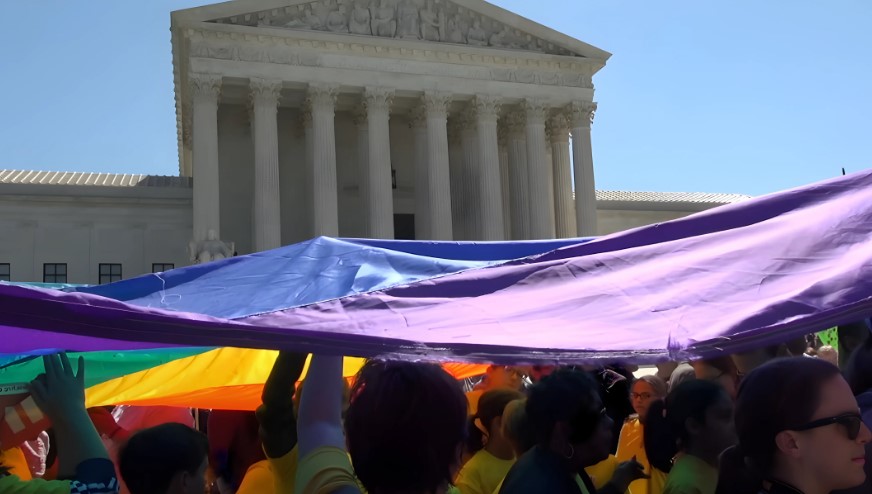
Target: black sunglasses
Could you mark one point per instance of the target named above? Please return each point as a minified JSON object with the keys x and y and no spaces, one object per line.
{"x":850,"y":421}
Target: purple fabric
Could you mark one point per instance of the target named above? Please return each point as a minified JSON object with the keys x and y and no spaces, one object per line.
{"x":725,"y":280}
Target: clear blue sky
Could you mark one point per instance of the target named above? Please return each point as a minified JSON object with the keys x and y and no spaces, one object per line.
{"x":743,"y":96}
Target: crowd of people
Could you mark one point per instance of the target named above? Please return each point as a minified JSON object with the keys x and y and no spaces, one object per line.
{"x":776,"y":420}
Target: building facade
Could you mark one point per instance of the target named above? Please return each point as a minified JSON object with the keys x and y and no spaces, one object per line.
{"x":425,"y":119}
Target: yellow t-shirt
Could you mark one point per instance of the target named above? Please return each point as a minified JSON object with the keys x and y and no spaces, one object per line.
{"x":324,"y":470}
{"x":482,"y":473}
{"x":259,"y":479}
{"x":631,"y":444}
{"x":284,"y":470}
{"x":602,"y":472}
{"x":690,"y":475}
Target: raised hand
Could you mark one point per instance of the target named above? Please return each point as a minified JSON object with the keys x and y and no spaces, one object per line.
{"x":59,"y":391}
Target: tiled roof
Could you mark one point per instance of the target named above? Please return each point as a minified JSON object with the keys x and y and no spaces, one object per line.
{"x":696,"y":197}
{"x":93,"y":179}
{"x":137,"y":180}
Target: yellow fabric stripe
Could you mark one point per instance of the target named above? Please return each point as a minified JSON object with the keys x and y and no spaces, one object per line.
{"x":225,"y":378}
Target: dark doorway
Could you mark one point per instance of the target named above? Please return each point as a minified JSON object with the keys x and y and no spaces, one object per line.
{"x":404,"y":226}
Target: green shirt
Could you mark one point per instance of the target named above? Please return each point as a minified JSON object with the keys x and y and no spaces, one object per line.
{"x":690,"y":475}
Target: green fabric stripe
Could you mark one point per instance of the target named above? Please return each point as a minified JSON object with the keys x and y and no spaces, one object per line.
{"x":102,"y":366}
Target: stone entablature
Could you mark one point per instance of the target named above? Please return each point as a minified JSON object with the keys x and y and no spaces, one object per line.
{"x":315,"y":49}
{"x":426,"y":20}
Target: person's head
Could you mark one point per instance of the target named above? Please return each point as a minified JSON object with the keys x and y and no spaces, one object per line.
{"x":645,"y":390}
{"x":165,"y":459}
{"x":488,"y":420}
{"x":516,"y":428}
{"x":721,"y":370}
{"x":566,"y":413}
{"x":798,"y":422}
{"x":850,"y":337}
{"x":539,"y":372}
{"x":684,"y":372}
{"x":405,"y":426}
{"x":504,"y":377}
{"x":747,"y":361}
{"x":858,"y":370}
{"x":829,"y":354}
{"x":696,"y":417}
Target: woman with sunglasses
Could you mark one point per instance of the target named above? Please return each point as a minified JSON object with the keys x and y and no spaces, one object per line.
{"x":799,"y":430}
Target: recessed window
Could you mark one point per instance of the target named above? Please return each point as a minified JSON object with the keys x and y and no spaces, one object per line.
{"x":5,"y":271}
{"x":54,"y":272}
{"x":160,"y":267}
{"x":110,"y":273}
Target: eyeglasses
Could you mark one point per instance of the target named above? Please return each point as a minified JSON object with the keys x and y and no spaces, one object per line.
{"x":850,"y":421}
{"x":640,"y":396}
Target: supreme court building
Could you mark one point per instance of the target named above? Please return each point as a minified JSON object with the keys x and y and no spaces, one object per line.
{"x":424,"y":119}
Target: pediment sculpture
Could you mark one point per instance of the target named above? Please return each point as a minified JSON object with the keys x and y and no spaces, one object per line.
{"x":428,"y":20}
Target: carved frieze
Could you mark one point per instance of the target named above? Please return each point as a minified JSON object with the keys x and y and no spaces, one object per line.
{"x":430,"y":20}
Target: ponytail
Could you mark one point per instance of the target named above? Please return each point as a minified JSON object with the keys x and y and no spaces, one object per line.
{"x":475,"y":437}
{"x":665,"y":427}
{"x":661,"y":445}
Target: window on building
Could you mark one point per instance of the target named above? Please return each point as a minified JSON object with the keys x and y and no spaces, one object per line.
{"x":110,"y":273}
{"x":53,"y":272}
{"x":160,"y":267}
{"x":5,"y":271}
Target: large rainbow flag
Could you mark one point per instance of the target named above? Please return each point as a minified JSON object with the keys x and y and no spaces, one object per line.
{"x":725,"y":280}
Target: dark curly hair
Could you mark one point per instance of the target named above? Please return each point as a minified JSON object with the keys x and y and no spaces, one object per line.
{"x":405,"y":426}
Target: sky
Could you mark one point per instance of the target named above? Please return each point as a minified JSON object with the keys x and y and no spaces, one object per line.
{"x":737,"y":96}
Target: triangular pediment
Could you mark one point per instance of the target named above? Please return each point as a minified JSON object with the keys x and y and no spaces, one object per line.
{"x":461,"y":22}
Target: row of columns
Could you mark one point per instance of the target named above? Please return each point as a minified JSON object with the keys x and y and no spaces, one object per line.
{"x":483,"y":187}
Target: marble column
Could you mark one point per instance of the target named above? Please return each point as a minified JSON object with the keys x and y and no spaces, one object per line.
{"x":518,"y":182}
{"x":564,"y":206}
{"x":581,"y":116}
{"x":381,"y":196}
{"x":325,"y":214}
{"x":541,"y":205}
{"x":309,"y":150}
{"x":487,"y":110}
{"x":418,"y":124}
{"x":455,"y":167}
{"x":503,"y":138}
{"x":470,"y":192}
{"x":439,"y":220}
{"x":205,"y":89}
{"x":267,"y":200}
{"x":363,"y":187}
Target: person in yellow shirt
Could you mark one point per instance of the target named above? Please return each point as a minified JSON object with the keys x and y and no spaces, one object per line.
{"x":631,"y":444}
{"x":277,"y":428}
{"x":496,"y":377}
{"x":493,"y":455}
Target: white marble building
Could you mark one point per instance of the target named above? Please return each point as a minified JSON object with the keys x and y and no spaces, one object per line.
{"x":427,"y":119}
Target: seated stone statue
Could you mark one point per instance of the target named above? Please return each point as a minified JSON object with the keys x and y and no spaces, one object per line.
{"x":384,"y":22}
{"x":360,"y":19}
{"x":210,"y":249}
